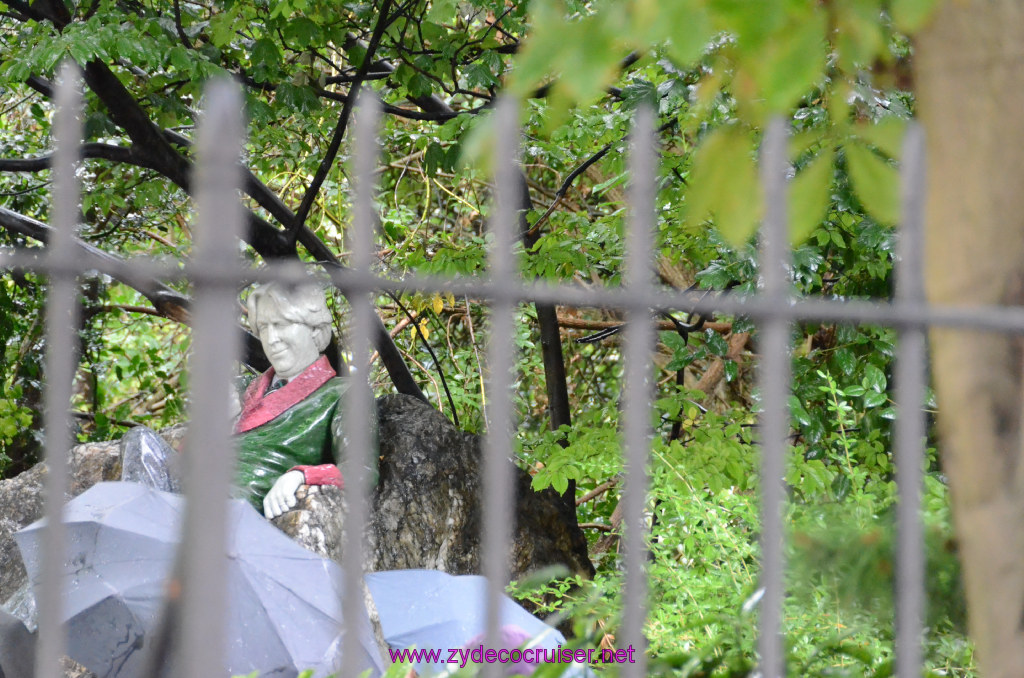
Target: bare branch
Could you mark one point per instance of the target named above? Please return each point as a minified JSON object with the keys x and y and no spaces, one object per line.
{"x":339,"y":131}
{"x":177,"y":24}
{"x":598,"y":491}
{"x":165,"y":300}
{"x":92,"y":150}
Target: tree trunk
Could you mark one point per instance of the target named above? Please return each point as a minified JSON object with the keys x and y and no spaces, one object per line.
{"x":970,"y":85}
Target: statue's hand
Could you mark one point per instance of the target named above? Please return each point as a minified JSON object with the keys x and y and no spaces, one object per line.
{"x":281,"y":497}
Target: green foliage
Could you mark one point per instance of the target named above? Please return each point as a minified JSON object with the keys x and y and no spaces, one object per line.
{"x":714,"y":71}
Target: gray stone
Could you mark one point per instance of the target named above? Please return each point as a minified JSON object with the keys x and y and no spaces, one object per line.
{"x":315,"y":522}
{"x":17,"y":648}
{"x":426,"y":509}
{"x":427,"y":505}
{"x":21,"y":503}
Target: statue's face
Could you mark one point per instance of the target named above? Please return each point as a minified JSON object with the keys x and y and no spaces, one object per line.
{"x":289,"y":345}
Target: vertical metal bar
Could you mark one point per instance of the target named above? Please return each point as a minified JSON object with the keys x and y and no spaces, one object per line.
{"x":636,"y":406}
{"x":910,"y":424}
{"x":61,"y":359}
{"x":359,"y":400}
{"x":209,"y":456}
{"x":497,"y":480}
{"x":774,"y":385}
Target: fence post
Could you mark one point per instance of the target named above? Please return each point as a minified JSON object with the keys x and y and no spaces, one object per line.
{"x":496,"y":494}
{"x":61,"y":361}
{"x":209,"y":453}
{"x":359,"y":400}
{"x":774,"y":384}
{"x":910,"y":425}
{"x":636,"y":406}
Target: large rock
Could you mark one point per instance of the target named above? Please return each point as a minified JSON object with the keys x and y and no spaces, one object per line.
{"x":426,"y":508}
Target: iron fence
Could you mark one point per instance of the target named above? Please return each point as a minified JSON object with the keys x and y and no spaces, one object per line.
{"x":215,"y":270}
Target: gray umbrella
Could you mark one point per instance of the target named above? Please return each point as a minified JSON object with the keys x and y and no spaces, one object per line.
{"x":284,"y":609}
{"x":434,"y":610}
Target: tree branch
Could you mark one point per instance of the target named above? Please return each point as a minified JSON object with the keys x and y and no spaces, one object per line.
{"x":662,"y":325}
{"x":339,"y":131}
{"x":165,"y":300}
{"x":92,"y":151}
{"x":155,"y":148}
{"x":177,"y":24}
{"x":401,"y":112}
{"x":598,"y":491}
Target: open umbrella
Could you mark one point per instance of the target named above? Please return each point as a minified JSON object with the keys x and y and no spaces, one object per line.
{"x":284,"y":602}
{"x":434,"y":610}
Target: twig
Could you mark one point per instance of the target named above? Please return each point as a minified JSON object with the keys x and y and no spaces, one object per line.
{"x":159,"y":238}
{"x":596,"y":526}
{"x":430,"y":350}
{"x":476,"y":352}
{"x":597,"y":491}
{"x":126,"y":423}
{"x":108,"y":308}
{"x":662,"y":325}
{"x":565,"y":187}
{"x":177,"y":24}
{"x":339,"y":131}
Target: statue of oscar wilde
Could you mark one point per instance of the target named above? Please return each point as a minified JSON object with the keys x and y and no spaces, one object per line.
{"x":290,"y":429}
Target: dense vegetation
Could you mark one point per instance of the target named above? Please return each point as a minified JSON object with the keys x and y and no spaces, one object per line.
{"x":714,"y":72}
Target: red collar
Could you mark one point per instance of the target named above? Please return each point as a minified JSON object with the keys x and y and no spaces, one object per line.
{"x":258,"y":409}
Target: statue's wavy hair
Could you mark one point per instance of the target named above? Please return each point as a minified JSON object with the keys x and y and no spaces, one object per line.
{"x":305,"y":303}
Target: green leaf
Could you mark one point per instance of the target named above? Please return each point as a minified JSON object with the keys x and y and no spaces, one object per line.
{"x":809,"y":196}
{"x":723,"y":183}
{"x":687,"y":26}
{"x":419,"y":85}
{"x":560,"y":483}
{"x":479,"y":75}
{"x":180,"y":58}
{"x":886,"y":135}
{"x":637,"y":93}
{"x":265,"y":53}
{"x":732,"y":370}
{"x":442,"y":11}
{"x":874,"y":379}
{"x":908,"y":16}
{"x":433,"y":158}
{"x":845,"y":360}
{"x":716,"y":344}
{"x":786,"y":68}
{"x":841,"y":486}
{"x":302,"y":32}
{"x":876,"y":183}
{"x":797,"y":411}
{"x":222,"y":26}
{"x":875,"y":399}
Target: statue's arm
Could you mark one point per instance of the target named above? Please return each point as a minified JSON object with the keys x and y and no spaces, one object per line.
{"x":281,"y":496}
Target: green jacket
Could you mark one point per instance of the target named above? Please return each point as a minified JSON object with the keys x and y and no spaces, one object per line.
{"x":309,"y":432}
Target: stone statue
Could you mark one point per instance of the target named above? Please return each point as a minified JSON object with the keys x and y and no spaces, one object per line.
{"x":289,"y":428}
